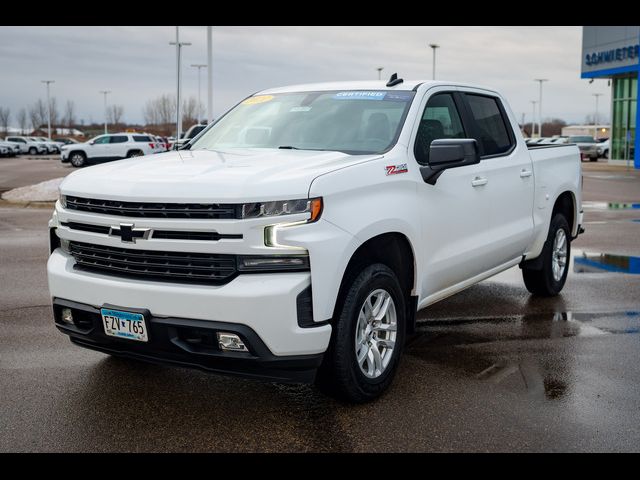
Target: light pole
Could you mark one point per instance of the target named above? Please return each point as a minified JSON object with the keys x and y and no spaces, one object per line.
{"x":179,"y":46}
{"x":379,"y":69}
{"x":48,"y":82}
{"x":533,"y":119}
{"x":595,"y":120}
{"x":199,"y":66}
{"x":105,"y":92}
{"x":434,"y":46}
{"x":540,"y":80}
{"x":209,"y":75}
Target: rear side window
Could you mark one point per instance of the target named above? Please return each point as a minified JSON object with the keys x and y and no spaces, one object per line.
{"x":440,"y":119}
{"x":491,"y":132}
{"x":119,"y":139}
{"x":141,"y":138}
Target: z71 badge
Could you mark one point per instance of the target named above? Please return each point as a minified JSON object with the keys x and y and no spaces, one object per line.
{"x":394,"y":169}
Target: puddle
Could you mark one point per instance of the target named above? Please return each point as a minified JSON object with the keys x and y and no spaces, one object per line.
{"x":511,"y":351}
{"x":610,"y":205}
{"x":584,"y":262}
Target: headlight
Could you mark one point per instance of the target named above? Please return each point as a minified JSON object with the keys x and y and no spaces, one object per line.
{"x":312,"y":206}
{"x":63,"y":200}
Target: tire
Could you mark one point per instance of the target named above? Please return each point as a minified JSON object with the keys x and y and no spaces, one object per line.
{"x":593,"y":159}
{"x":341,"y":375}
{"x":33,"y":151}
{"x":605,"y":154}
{"x":134,"y":153}
{"x":542,"y":281}
{"x":78,"y":159}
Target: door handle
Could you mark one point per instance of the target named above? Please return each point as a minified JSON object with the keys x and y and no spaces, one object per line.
{"x":524,"y":173}
{"x":479,"y":181}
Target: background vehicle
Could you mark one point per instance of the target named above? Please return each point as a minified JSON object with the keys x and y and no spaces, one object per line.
{"x":603,"y":148}
{"x":188,"y":135}
{"x":587,"y":146}
{"x":65,"y":141}
{"x":297,"y":237}
{"x":105,"y":148}
{"x":53,"y":147}
{"x":13,"y":148}
{"x":28,"y":145}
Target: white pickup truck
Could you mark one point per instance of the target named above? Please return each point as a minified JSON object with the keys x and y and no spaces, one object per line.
{"x":296,"y":237}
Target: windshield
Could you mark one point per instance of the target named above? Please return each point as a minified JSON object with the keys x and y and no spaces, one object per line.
{"x":582,"y":139}
{"x":354,"y":121}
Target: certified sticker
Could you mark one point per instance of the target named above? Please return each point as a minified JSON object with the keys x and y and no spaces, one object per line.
{"x":395,"y":169}
{"x":257,"y":99}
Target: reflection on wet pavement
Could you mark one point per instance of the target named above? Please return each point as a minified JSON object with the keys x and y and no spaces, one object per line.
{"x":511,"y":351}
{"x":584,"y":262}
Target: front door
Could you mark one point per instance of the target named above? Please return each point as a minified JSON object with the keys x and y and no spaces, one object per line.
{"x":454,"y":211}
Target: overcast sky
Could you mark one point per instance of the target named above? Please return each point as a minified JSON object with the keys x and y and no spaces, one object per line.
{"x":137,"y":63}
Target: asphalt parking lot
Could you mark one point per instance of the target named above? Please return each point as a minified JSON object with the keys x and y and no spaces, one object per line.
{"x":490,"y":369}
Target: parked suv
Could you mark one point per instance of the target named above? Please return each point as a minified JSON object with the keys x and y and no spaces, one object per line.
{"x":28,"y":145}
{"x":12,"y":148}
{"x":587,"y":145}
{"x":106,"y":148}
{"x":52,"y":146}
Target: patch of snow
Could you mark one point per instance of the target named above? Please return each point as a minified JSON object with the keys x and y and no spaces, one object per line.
{"x":40,"y":192}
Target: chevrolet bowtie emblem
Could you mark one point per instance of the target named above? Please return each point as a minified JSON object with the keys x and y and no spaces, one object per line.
{"x":129,"y":234}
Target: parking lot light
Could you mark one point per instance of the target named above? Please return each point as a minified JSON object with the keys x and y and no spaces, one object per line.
{"x":48,"y":82}
{"x":105,"y":92}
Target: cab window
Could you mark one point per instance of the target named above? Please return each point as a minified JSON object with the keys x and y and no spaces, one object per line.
{"x":440,"y":119}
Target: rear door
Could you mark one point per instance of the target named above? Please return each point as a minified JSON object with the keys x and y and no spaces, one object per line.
{"x":509,"y":173}
{"x":119,"y":146}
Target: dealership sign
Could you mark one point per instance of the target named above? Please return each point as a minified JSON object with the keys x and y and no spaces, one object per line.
{"x":613,"y":55}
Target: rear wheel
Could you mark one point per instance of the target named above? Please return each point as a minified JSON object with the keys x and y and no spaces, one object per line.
{"x":368,"y":337}
{"x":134,"y":153}
{"x":593,"y":159}
{"x":549,"y":280}
{"x":77,"y":159}
{"x":33,"y":151}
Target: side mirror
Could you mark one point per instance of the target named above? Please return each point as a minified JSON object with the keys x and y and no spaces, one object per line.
{"x":92,"y":142}
{"x":449,"y":153}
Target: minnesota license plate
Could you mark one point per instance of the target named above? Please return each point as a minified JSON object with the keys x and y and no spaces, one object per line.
{"x":130,"y":326}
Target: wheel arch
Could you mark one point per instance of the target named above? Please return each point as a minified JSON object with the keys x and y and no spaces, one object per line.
{"x":567,"y":205}
{"x":393,"y":249}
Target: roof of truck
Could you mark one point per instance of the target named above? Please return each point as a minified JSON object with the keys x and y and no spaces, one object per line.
{"x":365,"y":85}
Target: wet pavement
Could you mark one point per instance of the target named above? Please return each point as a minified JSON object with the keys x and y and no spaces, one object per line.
{"x":489,"y":369}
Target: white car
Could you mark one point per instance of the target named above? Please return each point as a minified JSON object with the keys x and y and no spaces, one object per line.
{"x":28,"y":145}
{"x":53,"y":147}
{"x":106,"y":148}
{"x":297,"y":237}
{"x":12,"y":148}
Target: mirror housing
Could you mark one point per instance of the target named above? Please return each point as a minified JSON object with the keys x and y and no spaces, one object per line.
{"x":449,"y":153}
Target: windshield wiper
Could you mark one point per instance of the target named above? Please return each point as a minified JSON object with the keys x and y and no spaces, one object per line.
{"x":288,"y":147}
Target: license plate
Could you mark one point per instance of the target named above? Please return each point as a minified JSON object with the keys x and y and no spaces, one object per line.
{"x":130,"y":326}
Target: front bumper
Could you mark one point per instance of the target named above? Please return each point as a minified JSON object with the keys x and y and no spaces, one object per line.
{"x":64,"y":156}
{"x":187,"y":343}
{"x":265,"y":303}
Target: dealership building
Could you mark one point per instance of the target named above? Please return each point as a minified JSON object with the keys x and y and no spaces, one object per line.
{"x":613,"y":52}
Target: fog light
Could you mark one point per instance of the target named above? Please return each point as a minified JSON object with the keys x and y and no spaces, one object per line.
{"x":231,"y":341}
{"x":67,"y":315}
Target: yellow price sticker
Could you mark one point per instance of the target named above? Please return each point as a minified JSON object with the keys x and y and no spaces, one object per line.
{"x":257,"y":99}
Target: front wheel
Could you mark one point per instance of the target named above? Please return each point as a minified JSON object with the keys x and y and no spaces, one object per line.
{"x":77,"y":159}
{"x":367,"y":338}
{"x":33,"y":151}
{"x":550,"y":279}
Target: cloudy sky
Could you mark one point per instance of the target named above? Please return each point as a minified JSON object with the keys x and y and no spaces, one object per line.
{"x":137,"y":63}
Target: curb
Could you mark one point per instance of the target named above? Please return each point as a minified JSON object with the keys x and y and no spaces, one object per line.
{"x":7,"y":204}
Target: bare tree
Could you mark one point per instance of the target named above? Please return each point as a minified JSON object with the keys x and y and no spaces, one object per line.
{"x":166,"y":109}
{"x":5,"y":114}
{"x":38,"y":114}
{"x":69,"y":115}
{"x":189,"y":112}
{"x":114,"y":114}
{"x":22,"y":120}
{"x":150,"y":113}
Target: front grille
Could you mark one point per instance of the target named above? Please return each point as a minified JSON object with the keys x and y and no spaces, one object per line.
{"x":154,"y":210}
{"x":158,"y":234}
{"x":205,"y":268}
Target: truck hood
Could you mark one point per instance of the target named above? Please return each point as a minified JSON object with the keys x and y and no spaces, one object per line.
{"x":201,"y":176}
